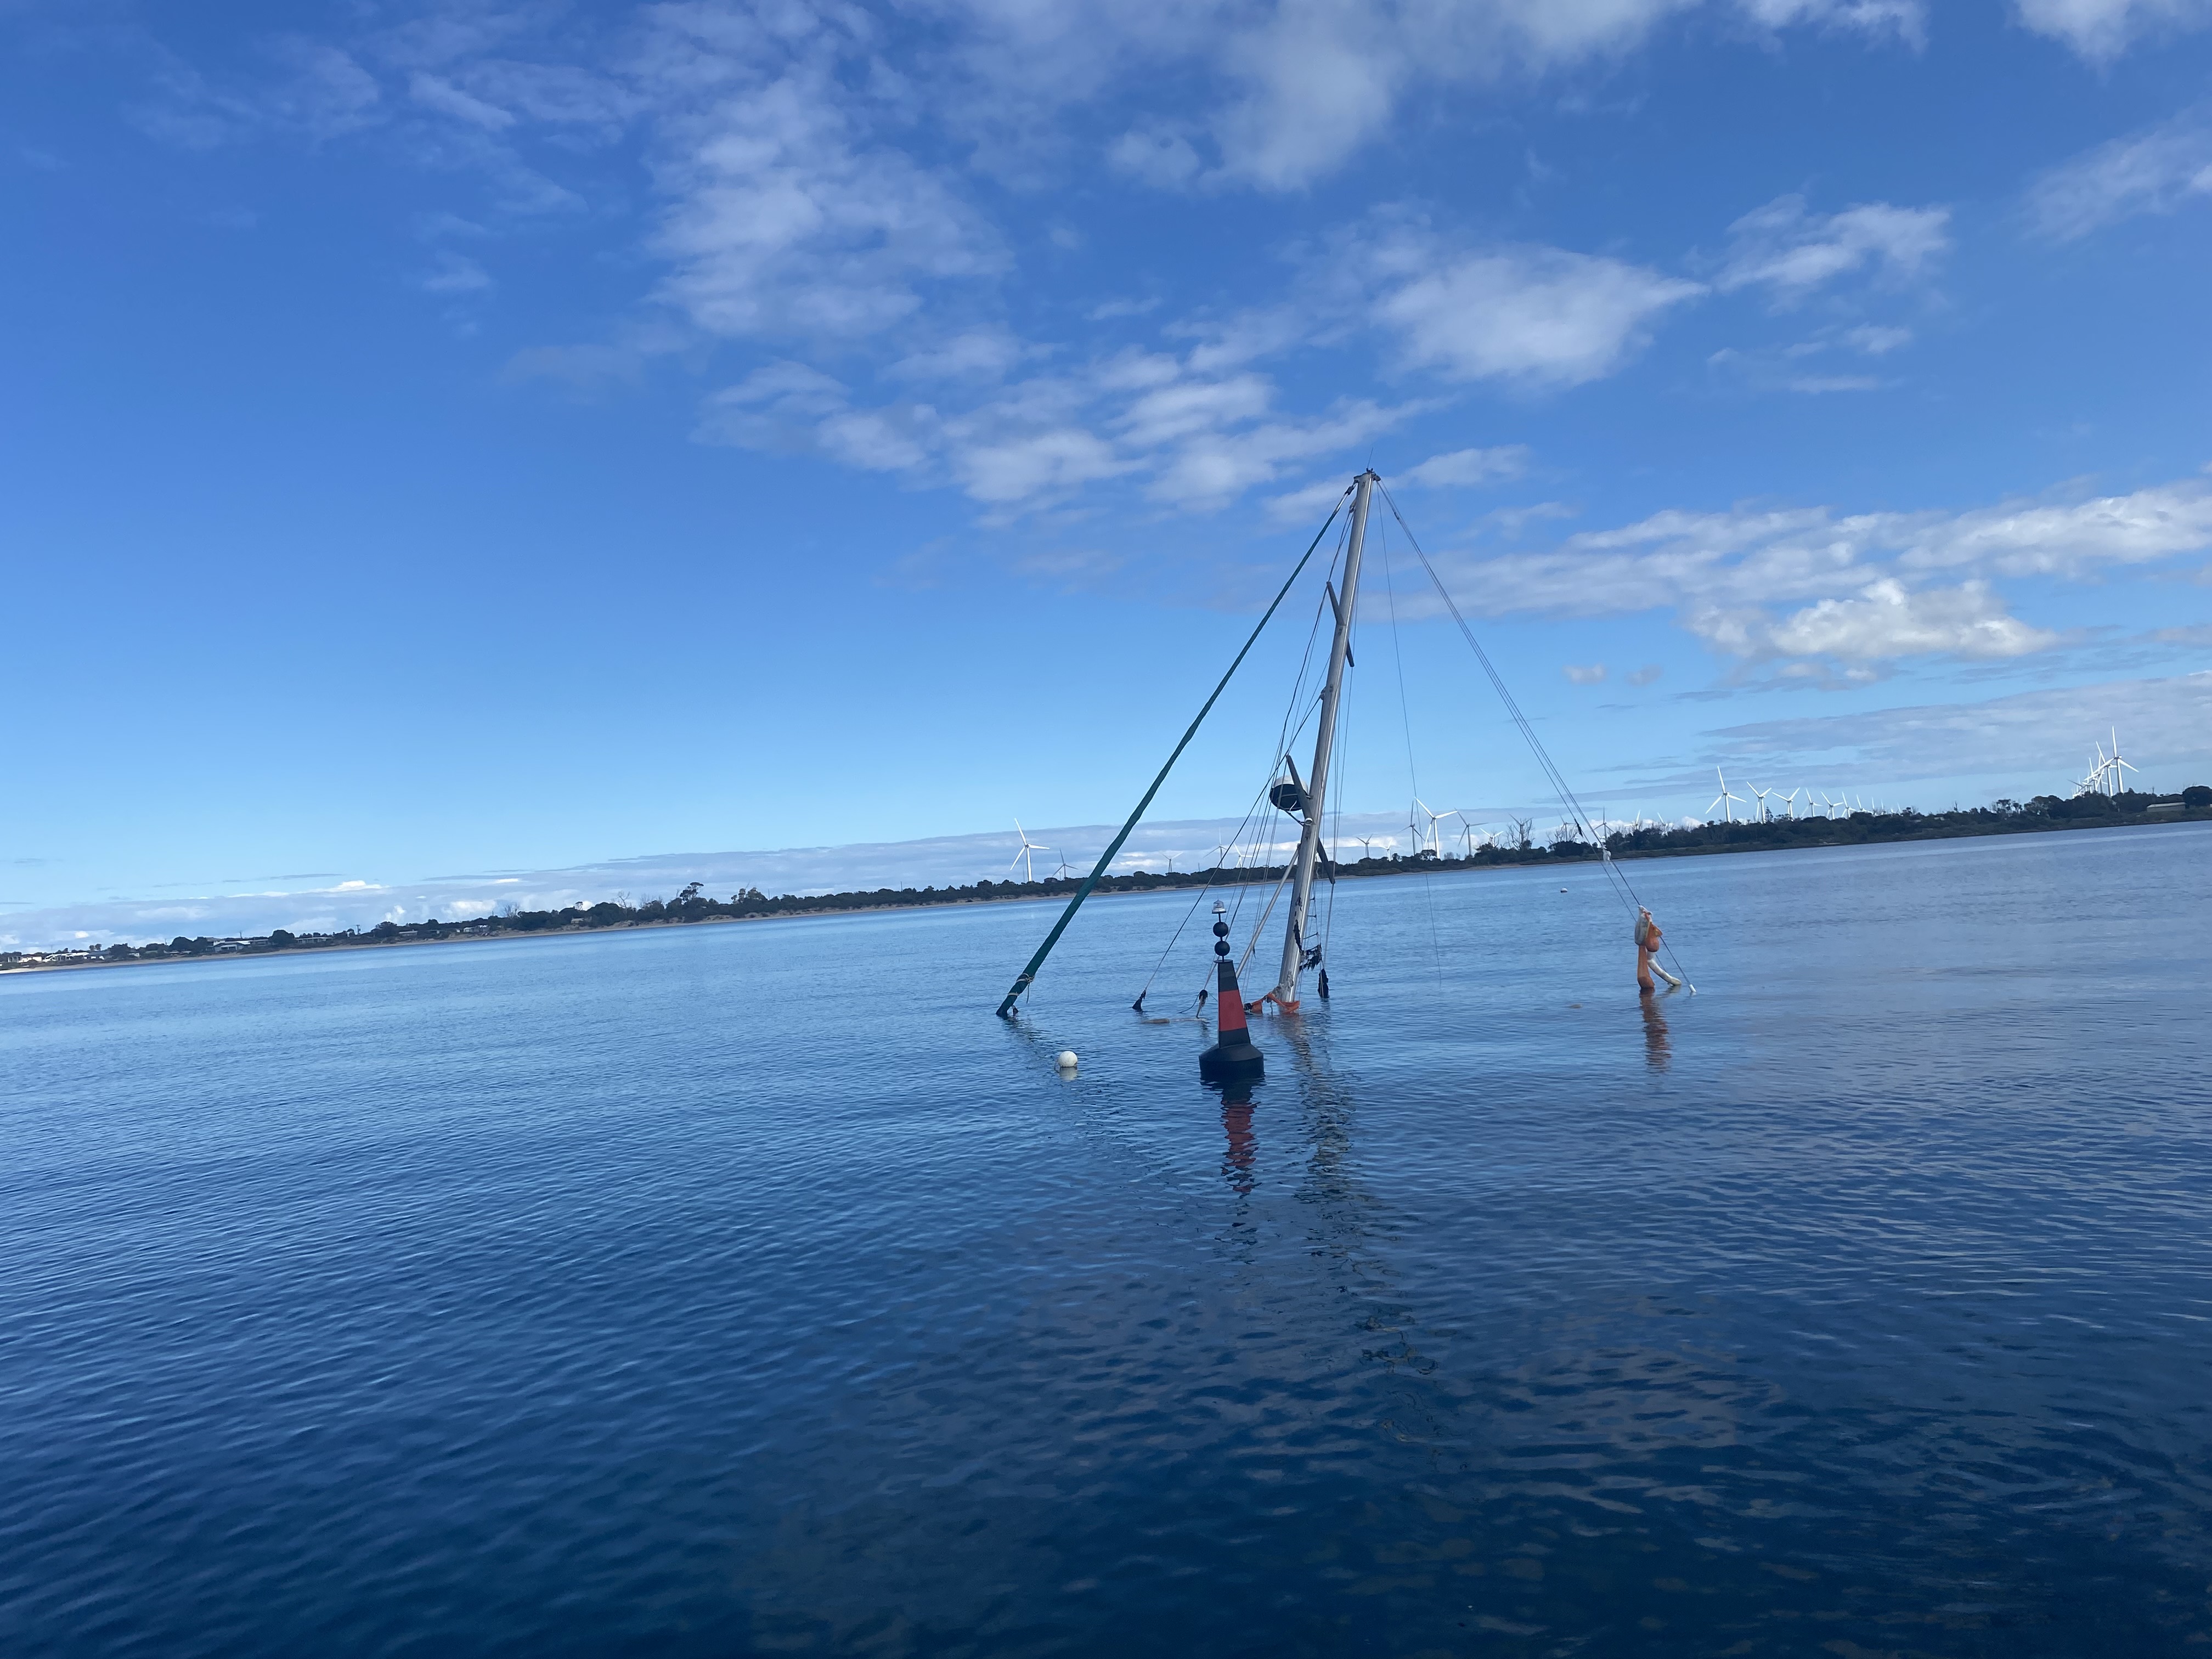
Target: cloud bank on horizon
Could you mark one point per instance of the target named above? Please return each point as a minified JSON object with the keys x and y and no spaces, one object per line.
{"x":1754,"y":403}
{"x":1880,"y":756}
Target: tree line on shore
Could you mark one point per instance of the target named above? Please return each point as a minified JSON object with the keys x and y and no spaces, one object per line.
{"x":2042,"y":812}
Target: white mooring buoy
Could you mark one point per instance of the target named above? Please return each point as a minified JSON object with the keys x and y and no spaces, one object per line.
{"x":1068,"y":1060}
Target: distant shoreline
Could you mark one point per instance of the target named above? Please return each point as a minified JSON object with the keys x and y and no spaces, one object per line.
{"x":2045,"y":816}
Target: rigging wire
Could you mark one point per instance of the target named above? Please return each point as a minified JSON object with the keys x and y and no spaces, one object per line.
{"x":1412,"y":776}
{"x":1286,"y":734}
{"x":1568,"y":802}
{"x":1027,"y":977}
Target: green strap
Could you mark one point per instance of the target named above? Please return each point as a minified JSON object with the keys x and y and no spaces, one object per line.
{"x":1029,"y":973}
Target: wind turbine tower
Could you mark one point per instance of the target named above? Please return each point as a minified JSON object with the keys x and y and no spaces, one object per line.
{"x":1022,"y":858}
{"x":2119,"y":766}
{"x":1726,"y":802}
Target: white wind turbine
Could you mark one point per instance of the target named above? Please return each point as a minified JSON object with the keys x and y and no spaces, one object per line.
{"x":1022,"y":858}
{"x":1762,"y":794}
{"x":2119,"y":767}
{"x":1424,"y":841}
{"x":1789,"y":801}
{"x":1722,"y":800}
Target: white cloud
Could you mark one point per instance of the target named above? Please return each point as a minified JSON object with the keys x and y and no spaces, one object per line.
{"x":2100,"y":30}
{"x":1198,"y":439}
{"x":1875,"y":339}
{"x":1864,"y":587}
{"x":1017,"y":471}
{"x":1792,"y":253}
{"x":798,"y":148}
{"x":1188,"y":408}
{"x":2157,"y":170}
{"x":1817,"y":384}
{"x":779,"y":230}
{"x":980,"y":353}
{"x":2070,"y":540}
{"x":1538,"y":316}
{"x":2032,"y":737}
{"x":442,"y":95}
{"x":780,"y":407}
{"x":1591,"y":675}
{"x":454,"y":274}
{"x":1790,"y":369}
{"x":1320,"y":78}
{"x":1767,"y":556}
{"x":1212,"y":470}
{"x":317,"y":92}
{"x":1469,"y":468}
{"x":1905,"y":19}
{"x":1885,"y":620}
{"x":1307,"y":505}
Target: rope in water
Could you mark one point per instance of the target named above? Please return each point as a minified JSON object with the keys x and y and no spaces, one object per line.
{"x":1567,"y":801}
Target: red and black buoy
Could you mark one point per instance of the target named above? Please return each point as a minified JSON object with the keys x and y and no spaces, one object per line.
{"x":1233,"y":1058}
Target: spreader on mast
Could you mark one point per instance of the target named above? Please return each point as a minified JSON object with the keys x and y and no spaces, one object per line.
{"x":1296,"y":956}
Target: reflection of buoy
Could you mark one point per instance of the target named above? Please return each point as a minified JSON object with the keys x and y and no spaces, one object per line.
{"x":1232,"y":1059}
{"x":1068,"y":1060}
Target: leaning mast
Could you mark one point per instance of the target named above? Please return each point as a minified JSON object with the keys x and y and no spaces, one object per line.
{"x":1285,"y":993}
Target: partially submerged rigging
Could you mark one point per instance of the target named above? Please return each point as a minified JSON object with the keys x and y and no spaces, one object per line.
{"x":1305,"y":799}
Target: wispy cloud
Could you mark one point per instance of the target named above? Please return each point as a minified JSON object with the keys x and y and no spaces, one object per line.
{"x":1469,"y":468}
{"x":2100,"y":30}
{"x":1315,"y":83}
{"x":1790,"y":253}
{"x":2036,"y":738}
{"x":1195,"y":439}
{"x":789,"y":215}
{"x":454,"y":274}
{"x":1534,"y":316}
{"x":1755,"y":555}
{"x":2157,"y":170}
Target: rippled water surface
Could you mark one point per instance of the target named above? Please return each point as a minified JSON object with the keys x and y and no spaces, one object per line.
{"x":751,"y":1289}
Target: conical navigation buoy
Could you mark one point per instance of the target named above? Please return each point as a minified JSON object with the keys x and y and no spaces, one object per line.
{"x":1233,"y":1058}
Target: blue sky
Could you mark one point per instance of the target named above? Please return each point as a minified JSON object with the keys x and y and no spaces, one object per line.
{"x":450,"y":440}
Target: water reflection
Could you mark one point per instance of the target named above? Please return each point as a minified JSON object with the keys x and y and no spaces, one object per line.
{"x":1658,"y":1047}
{"x":1243,"y":1146}
{"x":1340,"y":1210}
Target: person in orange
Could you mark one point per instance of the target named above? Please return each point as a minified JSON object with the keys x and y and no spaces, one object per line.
{"x":1647,"y":940}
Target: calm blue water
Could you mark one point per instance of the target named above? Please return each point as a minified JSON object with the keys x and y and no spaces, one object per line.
{"x":751,"y":1289}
